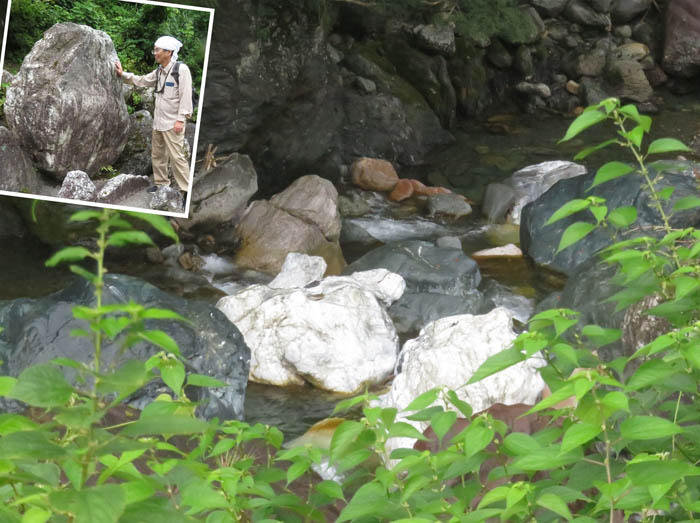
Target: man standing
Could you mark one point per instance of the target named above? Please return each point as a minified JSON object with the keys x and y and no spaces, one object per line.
{"x":173,"y":91}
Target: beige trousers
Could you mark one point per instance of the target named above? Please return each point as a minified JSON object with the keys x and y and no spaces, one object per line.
{"x":169,"y":146}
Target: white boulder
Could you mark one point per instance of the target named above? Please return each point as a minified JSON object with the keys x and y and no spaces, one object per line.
{"x":448,"y":351}
{"x":335,"y":335}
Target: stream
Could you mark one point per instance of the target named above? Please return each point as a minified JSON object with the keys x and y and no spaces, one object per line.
{"x":484,"y":152}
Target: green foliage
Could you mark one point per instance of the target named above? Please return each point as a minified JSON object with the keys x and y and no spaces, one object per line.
{"x":133,"y":28}
{"x":626,"y":444}
{"x":3,"y":91}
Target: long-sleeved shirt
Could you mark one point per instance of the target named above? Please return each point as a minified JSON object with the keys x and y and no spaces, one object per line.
{"x":173,"y":101}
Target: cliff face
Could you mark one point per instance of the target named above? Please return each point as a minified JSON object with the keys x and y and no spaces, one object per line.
{"x":308,"y":87}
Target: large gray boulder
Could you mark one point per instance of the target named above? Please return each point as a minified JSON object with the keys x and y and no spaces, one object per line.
{"x":17,"y":173}
{"x":222,"y":193}
{"x":65,"y":103}
{"x":136,"y":156}
{"x":540,"y":242}
{"x":39,"y":330}
{"x":682,"y":45}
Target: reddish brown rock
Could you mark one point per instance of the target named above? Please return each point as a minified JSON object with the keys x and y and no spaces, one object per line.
{"x":402,"y":191}
{"x":372,"y":174}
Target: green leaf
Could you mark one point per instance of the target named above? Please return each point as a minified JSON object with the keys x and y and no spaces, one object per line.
{"x":610,"y":171}
{"x":330,"y":489}
{"x":405,"y":430}
{"x":579,"y":434}
{"x":622,"y":217}
{"x":476,"y":438}
{"x":161,"y":339}
{"x":685,"y":285}
{"x":569,"y":208}
{"x":102,"y":504}
{"x":648,"y":427}
{"x":69,"y":254}
{"x":496,"y":363}
{"x":600,"y":336}
{"x":129,"y":378}
{"x":574,"y":233}
{"x":615,"y":401}
{"x":122,"y":238}
{"x":589,"y":150}
{"x":343,"y":437}
{"x":42,"y":386}
{"x":297,"y":469}
{"x":660,"y":472}
{"x":158,"y":223}
{"x":635,"y":136}
{"x":687,"y":202}
{"x":172,"y":372}
{"x":36,"y":515}
{"x":83,"y":216}
{"x":442,"y":422}
{"x":519,"y":443}
{"x":666,"y":192}
{"x":165,"y":424}
{"x":463,"y":407}
{"x":425,"y":399}
{"x":369,"y":500}
{"x":651,"y":372}
{"x":582,"y":122}
{"x":161,"y":314}
{"x":599,"y":212}
{"x":89,"y":276}
{"x":15,"y":423}
{"x":200,"y":380}
{"x":7,"y":383}
{"x":555,"y":504}
{"x":666,"y":145}
{"x":30,"y":445}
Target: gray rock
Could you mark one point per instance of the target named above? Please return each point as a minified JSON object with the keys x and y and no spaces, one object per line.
{"x":624,"y":11}
{"x":435,"y":39}
{"x":413,"y":311}
{"x":65,"y":103}
{"x":6,"y":77}
{"x":220,"y":195}
{"x":540,"y":242}
{"x":541,"y":90}
{"x":579,"y":12}
{"x":365,"y":84}
{"x":551,"y":8}
{"x":451,"y":242}
{"x":167,"y":198}
{"x":17,"y":173}
{"x":120,"y":186}
{"x":174,"y":251}
{"x":136,"y":157}
{"x":592,"y":91}
{"x":626,"y":80}
{"x":353,"y":205}
{"x":591,"y":63}
{"x":498,"y":55}
{"x":681,"y":55}
{"x":602,"y":6}
{"x":498,"y":201}
{"x":77,"y":185}
{"x":452,"y":205}
{"x":38,"y":330}
{"x":524,"y":62}
{"x":623,"y":31}
{"x":424,"y":267}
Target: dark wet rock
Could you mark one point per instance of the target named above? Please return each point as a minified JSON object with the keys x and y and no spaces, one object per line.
{"x":424,"y":267}
{"x":120,"y":186}
{"x":166,"y":198}
{"x":540,"y":89}
{"x":353,"y":205}
{"x":65,"y":103}
{"x":499,"y":56}
{"x":38,"y":330}
{"x":592,"y":91}
{"x":470,"y":77}
{"x":11,"y":224}
{"x":579,"y":12}
{"x":451,"y":242}
{"x":626,"y":80}
{"x":624,"y":11}
{"x":77,"y":185}
{"x":413,"y":311}
{"x":17,"y":173}
{"x":221,"y":194}
{"x":136,"y":157}
{"x":435,"y":39}
{"x":602,"y":6}
{"x":540,"y":242}
{"x":681,"y":55}
{"x":591,"y":63}
{"x":551,"y":8}
{"x":366,"y":85}
{"x":524,"y":62}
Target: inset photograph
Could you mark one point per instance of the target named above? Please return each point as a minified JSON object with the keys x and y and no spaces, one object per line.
{"x":99,"y":102}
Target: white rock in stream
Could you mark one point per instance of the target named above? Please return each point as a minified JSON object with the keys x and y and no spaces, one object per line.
{"x":447,"y":352}
{"x":336,"y":335}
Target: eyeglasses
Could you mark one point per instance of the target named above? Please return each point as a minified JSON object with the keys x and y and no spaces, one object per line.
{"x":156,"y":50}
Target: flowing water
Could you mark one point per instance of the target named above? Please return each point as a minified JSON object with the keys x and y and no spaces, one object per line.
{"x":483,"y":153}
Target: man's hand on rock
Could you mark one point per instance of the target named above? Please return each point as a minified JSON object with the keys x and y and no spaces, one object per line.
{"x":179,"y":126}
{"x":118,"y":67}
